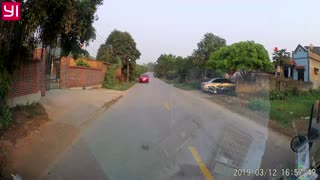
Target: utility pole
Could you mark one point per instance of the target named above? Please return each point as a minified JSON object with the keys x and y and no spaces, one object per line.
{"x":128,"y":70}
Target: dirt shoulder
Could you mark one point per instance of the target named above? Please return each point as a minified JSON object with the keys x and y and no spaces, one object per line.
{"x":26,"y":119}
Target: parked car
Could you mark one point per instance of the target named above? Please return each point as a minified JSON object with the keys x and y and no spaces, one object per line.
{"x":217,"y":82}
{"x":143,"y":78}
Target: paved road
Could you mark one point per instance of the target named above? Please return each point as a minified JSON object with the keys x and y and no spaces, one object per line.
{"x":159,"y":132}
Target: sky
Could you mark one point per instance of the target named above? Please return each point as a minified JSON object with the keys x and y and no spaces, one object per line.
{"x":176,"y":26}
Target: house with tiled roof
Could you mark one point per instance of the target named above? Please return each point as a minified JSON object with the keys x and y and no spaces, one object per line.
{"x":306,"y":60}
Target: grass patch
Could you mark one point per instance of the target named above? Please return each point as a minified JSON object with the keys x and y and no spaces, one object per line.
{"x":188,"y":85}
{"x":185,"y":85}
{"x":30,"y":110}
{"x":293,"y":108}
{"x":260,"y":105}
{"x":122,"y":86}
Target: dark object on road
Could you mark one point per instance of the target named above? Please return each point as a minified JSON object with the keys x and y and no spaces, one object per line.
{"x":143,"y":78}
{"x":145,"y":147}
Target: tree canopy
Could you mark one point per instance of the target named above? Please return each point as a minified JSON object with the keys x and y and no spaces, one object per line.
{"x":209,"y":43}
{"x":119,"y":48}
{"x":64,"y":23}
{"x":245,"y":55}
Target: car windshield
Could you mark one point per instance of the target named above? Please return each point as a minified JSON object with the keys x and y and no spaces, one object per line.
{"x":148,"y":90}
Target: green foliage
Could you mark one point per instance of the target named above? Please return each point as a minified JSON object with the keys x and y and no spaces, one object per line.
{"x":5,"y":82}
{"x":120,"y":45}
{"x":258,"y":104}
{"x":165,"y":63}
{"x":209,"y":44}
{"x":276,"y":95}
{"x":246,"y":55}
{"x":292,"y":108}
{"x":5,"y":115}
{"x":123,"y":86}
{"x":30,"y":110}
{"x":140,"y":69}
{"x":110,"y":79}
{"x":280,"y":57}
{"x":188,"y":85}
{"x":82,"y":63}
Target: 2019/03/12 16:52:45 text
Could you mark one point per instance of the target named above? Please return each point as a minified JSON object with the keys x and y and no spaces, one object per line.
{"x":270,"y":172}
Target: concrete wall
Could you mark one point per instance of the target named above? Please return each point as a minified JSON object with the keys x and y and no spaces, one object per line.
{"x":314,"y":63}
{"x":267,"y":83}
{"x":28,"y":81}
{"x":301,"y":58}
{"x":75,"y":76}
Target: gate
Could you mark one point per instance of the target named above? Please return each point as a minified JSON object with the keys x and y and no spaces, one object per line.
{"x":53,"y":68}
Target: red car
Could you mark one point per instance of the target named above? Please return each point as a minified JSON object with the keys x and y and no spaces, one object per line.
{"x":143,"y":78}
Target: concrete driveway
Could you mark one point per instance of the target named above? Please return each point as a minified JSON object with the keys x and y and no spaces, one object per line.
{"x":159,"y":132}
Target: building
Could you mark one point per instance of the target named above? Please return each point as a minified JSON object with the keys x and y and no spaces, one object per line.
{"x":307,"y":64}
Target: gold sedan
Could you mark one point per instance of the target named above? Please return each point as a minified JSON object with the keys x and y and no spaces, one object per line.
{"x":217,"y":82}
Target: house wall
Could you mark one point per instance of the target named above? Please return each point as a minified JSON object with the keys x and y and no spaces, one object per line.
{"x":302,"y":59}
{"x":314,"y":63}
{"x":75,"y":76}
{"x":28,"y":81}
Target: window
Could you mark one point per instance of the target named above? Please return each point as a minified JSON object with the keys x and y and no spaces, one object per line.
{"x":316,"y":70}
{"x":217,"y":81}
{"x":225,"y":81}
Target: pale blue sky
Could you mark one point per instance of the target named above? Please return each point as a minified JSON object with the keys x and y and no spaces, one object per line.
{"x":176,"y":26}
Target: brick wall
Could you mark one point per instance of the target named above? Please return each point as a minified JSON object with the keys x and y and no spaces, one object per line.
{"x":28,"y":80}
{"x":74,"y":76}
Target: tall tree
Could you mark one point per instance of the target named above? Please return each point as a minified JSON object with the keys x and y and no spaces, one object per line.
{"x":246,"y":55}
{"x":120,"y":46}
{"x":280,"y":58}
{"x":209,"y":44}
{"x":166,"y":66}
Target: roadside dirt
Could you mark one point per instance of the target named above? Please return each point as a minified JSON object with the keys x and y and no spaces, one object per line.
{"x":25,"y":121}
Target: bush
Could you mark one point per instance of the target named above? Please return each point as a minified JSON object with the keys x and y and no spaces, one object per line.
{"x":110,"y":79}
{"x":257,"y":104}
{"x":276,"y":95}
{"x":5,"y":82}
{"x":82,"y":63}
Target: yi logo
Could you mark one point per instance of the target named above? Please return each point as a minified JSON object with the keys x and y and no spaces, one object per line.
{"x":11,"y":11}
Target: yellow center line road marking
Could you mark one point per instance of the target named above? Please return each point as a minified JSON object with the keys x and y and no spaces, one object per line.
{"x":166,"y":105}
{"x":205,"y":171}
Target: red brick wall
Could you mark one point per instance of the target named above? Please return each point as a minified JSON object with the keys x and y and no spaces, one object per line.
{"x":29,"y":78}
{"x":74,"y":76}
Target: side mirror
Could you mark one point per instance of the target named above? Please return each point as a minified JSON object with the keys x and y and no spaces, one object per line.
{"x":297,"y":142}
{"x":314,"y":124}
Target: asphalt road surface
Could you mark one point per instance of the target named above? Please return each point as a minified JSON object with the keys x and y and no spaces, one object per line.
{"x":159,"y":132}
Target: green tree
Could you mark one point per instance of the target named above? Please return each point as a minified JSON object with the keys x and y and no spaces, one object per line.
{"x":209,"y":44}
{"x":120,"y":45}
{"x":166,"y":66}
{"x":246,"y":55}
{"x":43,"y":22}
{"x":281,"y":58}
